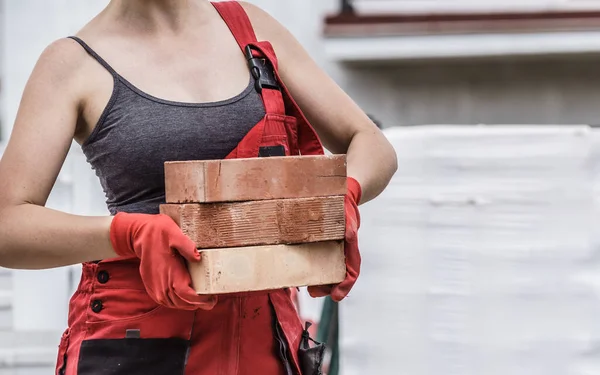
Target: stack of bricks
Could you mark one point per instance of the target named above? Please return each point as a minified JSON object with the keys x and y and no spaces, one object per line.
{"x":261,"y":223}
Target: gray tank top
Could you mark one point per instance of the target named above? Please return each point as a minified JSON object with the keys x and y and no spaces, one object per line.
{"x":138,"y":132}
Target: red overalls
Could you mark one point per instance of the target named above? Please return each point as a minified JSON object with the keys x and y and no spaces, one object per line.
{"x":114,"y":327}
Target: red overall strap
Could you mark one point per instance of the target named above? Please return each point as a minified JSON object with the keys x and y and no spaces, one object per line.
{"x":240,"y":26}
{"x":238,"y":22}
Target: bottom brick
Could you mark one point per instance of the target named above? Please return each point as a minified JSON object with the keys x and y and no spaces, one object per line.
{"x":257,"y":268}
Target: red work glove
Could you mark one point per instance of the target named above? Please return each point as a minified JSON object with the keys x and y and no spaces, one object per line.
{"x":162,"y":249}
{"x":340,"y":291}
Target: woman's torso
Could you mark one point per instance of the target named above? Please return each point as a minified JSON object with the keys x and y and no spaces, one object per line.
{"x":153,"y":99}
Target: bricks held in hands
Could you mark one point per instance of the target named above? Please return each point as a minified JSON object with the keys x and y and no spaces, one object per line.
{"x":266,"y":222}
{"x":263,"y":223}
{"x":255,"y":179}
{"x":253,"y":268}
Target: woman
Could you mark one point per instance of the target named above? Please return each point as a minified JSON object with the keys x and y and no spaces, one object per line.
{"x":148,"y":81}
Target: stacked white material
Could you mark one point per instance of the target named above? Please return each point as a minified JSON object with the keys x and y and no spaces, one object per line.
{"x":481,"y":258}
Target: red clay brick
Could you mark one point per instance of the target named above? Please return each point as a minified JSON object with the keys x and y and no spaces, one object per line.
{"x":256,"y":268}
{"x":255,"y":179}
{"x":266,"y":222}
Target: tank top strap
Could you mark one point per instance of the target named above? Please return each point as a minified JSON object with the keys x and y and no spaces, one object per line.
{"x":97,"y":57}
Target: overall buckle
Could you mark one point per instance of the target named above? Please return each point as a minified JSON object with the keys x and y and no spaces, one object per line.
{"x":262,"y":71}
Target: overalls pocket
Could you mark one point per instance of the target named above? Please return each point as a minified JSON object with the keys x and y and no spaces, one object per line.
{"x":128,"y":333}
{"x":279,"y":136}
{"x":155,"y":342}
{"x":133,"y":356}
{"x":120,"y":305}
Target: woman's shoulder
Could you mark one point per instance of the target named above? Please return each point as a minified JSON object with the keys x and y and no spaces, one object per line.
{"x":59,"y":64}
{"x":62,"y":57}
{"x":253,"y":10}
{"x":268,"y":28}
{"x":264,"y":24}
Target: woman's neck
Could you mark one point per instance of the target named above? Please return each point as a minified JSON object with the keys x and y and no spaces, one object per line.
{"x":154,"y":15}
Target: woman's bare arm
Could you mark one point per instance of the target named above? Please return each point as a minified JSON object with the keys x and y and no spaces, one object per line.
{"x":341,"y":124}
{"x":31,"y":235}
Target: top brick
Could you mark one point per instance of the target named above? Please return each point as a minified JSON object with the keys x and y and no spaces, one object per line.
{"x":235,"y":180}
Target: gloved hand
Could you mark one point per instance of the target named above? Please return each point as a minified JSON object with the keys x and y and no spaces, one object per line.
{"x":162,"y":248}
{"x":340,"y":291}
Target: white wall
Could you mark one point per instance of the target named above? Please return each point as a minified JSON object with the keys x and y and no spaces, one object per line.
{"x":481,"y":257}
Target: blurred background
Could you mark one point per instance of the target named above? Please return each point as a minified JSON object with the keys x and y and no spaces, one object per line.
{"x":481,"y":257}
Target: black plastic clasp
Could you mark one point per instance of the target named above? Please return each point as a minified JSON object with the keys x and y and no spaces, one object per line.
{"x":261,"y":70}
